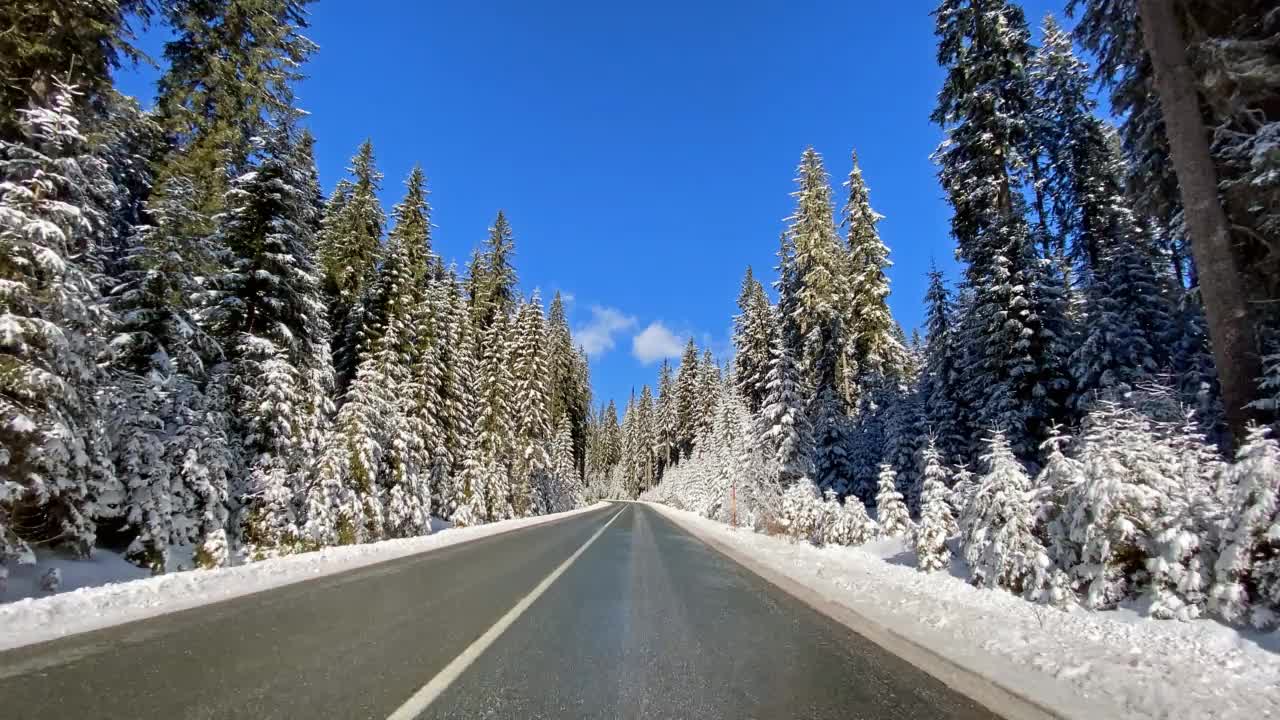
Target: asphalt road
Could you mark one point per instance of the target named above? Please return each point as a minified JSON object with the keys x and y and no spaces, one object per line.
{"x":646,"y":622}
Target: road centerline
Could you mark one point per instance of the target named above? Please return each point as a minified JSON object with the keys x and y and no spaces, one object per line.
{"x":428,"y":693}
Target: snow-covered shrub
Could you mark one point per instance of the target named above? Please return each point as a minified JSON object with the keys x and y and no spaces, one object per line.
{"x":997,"y":528}
{"x":850,"y":524}
{"x":214,"y":551}
{"x":936,"y":520}
{"x":801,"y":511}
{"x":1139,"y":516}
{"x":1247,"y":575}
{"x":891,"y":511}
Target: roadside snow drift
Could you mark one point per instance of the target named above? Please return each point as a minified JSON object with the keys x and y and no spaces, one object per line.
{"x":1140,"y":667}
{"x":34,"y":620}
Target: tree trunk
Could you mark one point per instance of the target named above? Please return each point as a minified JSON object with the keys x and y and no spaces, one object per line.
{"x":1231,"y":329}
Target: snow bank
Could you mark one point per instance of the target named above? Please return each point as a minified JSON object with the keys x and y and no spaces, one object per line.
{"x":1138,"y":666}
{"x":34,"y":620}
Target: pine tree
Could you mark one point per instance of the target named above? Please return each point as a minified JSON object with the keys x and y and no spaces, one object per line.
{"x":902,"y":440}
{"x":820,"y":282}
{"x":1195,"y":131}
{"x":832,"y":444}
{"x":532,"y":425}
{"x":938,"y":384}
{"x":784,"y":429}
{"x":349,"y":246}
{"x":568,"y":483}
{"x":1017,"y":317}
{"x":753,"y":331}
{"x":170,"y":430}
{"x":1141,"y":517}
{"x":267,"y":311}
{"x":709,"y":386}
{"x":57,"y":44}
{"x":667,"y":417}
{"x":644,"y":442}
{"x":492,"y":279}
{"x":870,"y":346}
{"x":569,"y":396}
{"x":1247,"y":573}
{"x":687,"y":399}
{"x":231,"y":67}
{"x":497,"y":422}
{"x":891,"y":511}
{"x":850,"y":524}
{"x":55,"y":470}
{"x":997,"y":527}
{"x":405,"y":354}
{"x":936,"y":521}
{"x":471,"y":504}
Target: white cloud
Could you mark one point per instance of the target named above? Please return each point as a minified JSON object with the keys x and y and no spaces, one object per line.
{"x":656,"y":342}
{"x":596,"y":337}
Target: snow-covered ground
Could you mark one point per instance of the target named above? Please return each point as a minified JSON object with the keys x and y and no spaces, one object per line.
{"x":87,"y":605}
{"x":1139,"y":667}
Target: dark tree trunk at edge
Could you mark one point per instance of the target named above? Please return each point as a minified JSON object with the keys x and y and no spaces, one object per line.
{"x":1221,"y":286}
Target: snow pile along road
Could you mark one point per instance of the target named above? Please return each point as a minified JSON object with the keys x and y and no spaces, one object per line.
{"x":34,"y":620}
{"x":1072,"y":663}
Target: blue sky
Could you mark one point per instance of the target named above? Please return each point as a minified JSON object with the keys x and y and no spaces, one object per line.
{"x":643,"y":152}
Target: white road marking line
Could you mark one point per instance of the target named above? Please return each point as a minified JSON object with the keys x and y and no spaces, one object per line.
{"x":428,"y":693}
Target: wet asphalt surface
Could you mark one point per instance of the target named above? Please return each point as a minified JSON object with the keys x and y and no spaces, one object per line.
{"x":647,"y":623}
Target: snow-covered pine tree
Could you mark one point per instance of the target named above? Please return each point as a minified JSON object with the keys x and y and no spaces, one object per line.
{"x":568,"y":483}
{"x":871,"y":347}
{"x":1057,"y":481}
{"x":1247,"y":573}
{"x":645,"y":441}
{"x":938,"y":383}
{"x":665,"y":409}
{"x":267,"y":311}
{"x":455,"y":355}
{"x":491,"y":278}
{"x":568,"y":395}
{"x":708,"y":393}
{"x":55,"y":473}
{"x":802,"y":511}
{"x":753,"y":330}
{"x":533,"y":470}
{"x":833,"y":468}
{"x":1141,"y":519}
{"x":850,"y":524}
{"x":891,"y":511}
{"x":205,"y":99}
{"x":903,"y":436}
{"x":818,"y":267}
{"x":997,"y":529}
{"x":1017,"y":352}
{"x":171,"y":441}
{"x":963,"y":487}
{"x":783,"y":425}
{"x":497,"y":423}
{"x":349,"y":246}
{"x":936,"y":520}
{"x":405,"y":352}
{"x":1127,"y":313}
{"x":469,"y":507}
{"x":687,"y":397}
